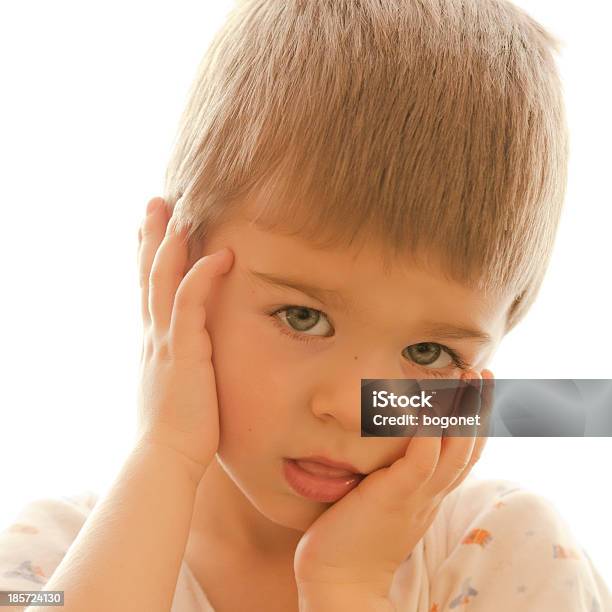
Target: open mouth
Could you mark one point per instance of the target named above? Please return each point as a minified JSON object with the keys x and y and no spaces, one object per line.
{"x":319,"y":482}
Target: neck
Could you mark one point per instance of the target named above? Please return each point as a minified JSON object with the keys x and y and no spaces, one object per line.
{"x":223,"y":515}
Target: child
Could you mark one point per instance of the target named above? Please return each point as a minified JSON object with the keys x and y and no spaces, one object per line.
{"x":396,"y":171}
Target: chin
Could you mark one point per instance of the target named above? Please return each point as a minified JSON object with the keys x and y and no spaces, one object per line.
{"x":289,"y":511}
{"x":283,"y":508}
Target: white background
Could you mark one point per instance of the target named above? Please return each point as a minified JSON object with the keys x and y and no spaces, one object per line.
{"x":92,"y":93}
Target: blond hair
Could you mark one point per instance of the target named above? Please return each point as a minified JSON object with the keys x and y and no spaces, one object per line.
{"x":426,"y":126}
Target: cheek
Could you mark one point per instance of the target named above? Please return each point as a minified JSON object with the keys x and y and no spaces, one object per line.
{"x":253,"y":391}
{"x":391,"y":449}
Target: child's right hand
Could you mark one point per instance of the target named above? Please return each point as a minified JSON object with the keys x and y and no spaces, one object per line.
{"x":177,"y":395}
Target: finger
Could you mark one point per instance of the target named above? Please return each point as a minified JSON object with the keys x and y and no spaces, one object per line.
{"x":138,"y":247}
{"x":458,"y":445}
{"x":488,"y":391}
{"x":419,"y":462}
{"x":167,"y":272}
{"x":482,"y":440}
{"x":189,"y":313}
{"x":486,"y":411}
{"x":150,"y":236}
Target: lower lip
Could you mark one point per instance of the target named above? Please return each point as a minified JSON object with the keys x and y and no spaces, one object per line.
{"x":316,"y":487}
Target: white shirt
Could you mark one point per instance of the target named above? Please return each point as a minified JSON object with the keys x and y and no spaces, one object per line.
{"x":493,"y":545}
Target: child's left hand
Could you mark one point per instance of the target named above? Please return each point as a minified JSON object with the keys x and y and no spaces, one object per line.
{"x":355,"y":547}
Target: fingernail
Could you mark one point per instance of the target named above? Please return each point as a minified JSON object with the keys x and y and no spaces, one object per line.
{"x":472,"y":378}
{"x":153,"y":205}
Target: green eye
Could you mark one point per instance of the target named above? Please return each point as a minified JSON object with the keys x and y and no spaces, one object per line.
{"x":426,"y":353}
{"x":303,"y":323}
{"x":302,"y":319}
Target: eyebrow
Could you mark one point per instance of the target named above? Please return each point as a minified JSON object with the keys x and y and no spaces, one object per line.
{"x":329,"y":296}
{"x":455,"y":332}
{"x":336,"y":298}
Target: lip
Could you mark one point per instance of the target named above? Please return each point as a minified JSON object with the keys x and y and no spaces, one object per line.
{"x":325,"y":461}
{"x":316,"y":486}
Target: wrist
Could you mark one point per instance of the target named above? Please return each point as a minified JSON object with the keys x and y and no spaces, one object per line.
{"x":338,"y":597}
{"x":149,"y":445}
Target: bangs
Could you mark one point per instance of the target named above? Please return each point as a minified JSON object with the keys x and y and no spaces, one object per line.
{"x":419,"y":127}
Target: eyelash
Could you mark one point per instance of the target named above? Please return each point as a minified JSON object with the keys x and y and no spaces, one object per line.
{"x":303,"y":337}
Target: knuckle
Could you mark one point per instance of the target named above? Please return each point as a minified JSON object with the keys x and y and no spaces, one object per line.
{"x":145,"y":229}
{"x":161,"y":350}
{"x":148,"y":228}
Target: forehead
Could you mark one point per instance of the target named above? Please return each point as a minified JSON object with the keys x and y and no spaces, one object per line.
{"x":356,"y":280}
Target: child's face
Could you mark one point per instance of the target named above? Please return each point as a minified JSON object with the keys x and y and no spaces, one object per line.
{"x":282,"y":396}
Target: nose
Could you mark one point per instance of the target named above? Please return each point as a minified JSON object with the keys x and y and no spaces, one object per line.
{"x":338,"y":397}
